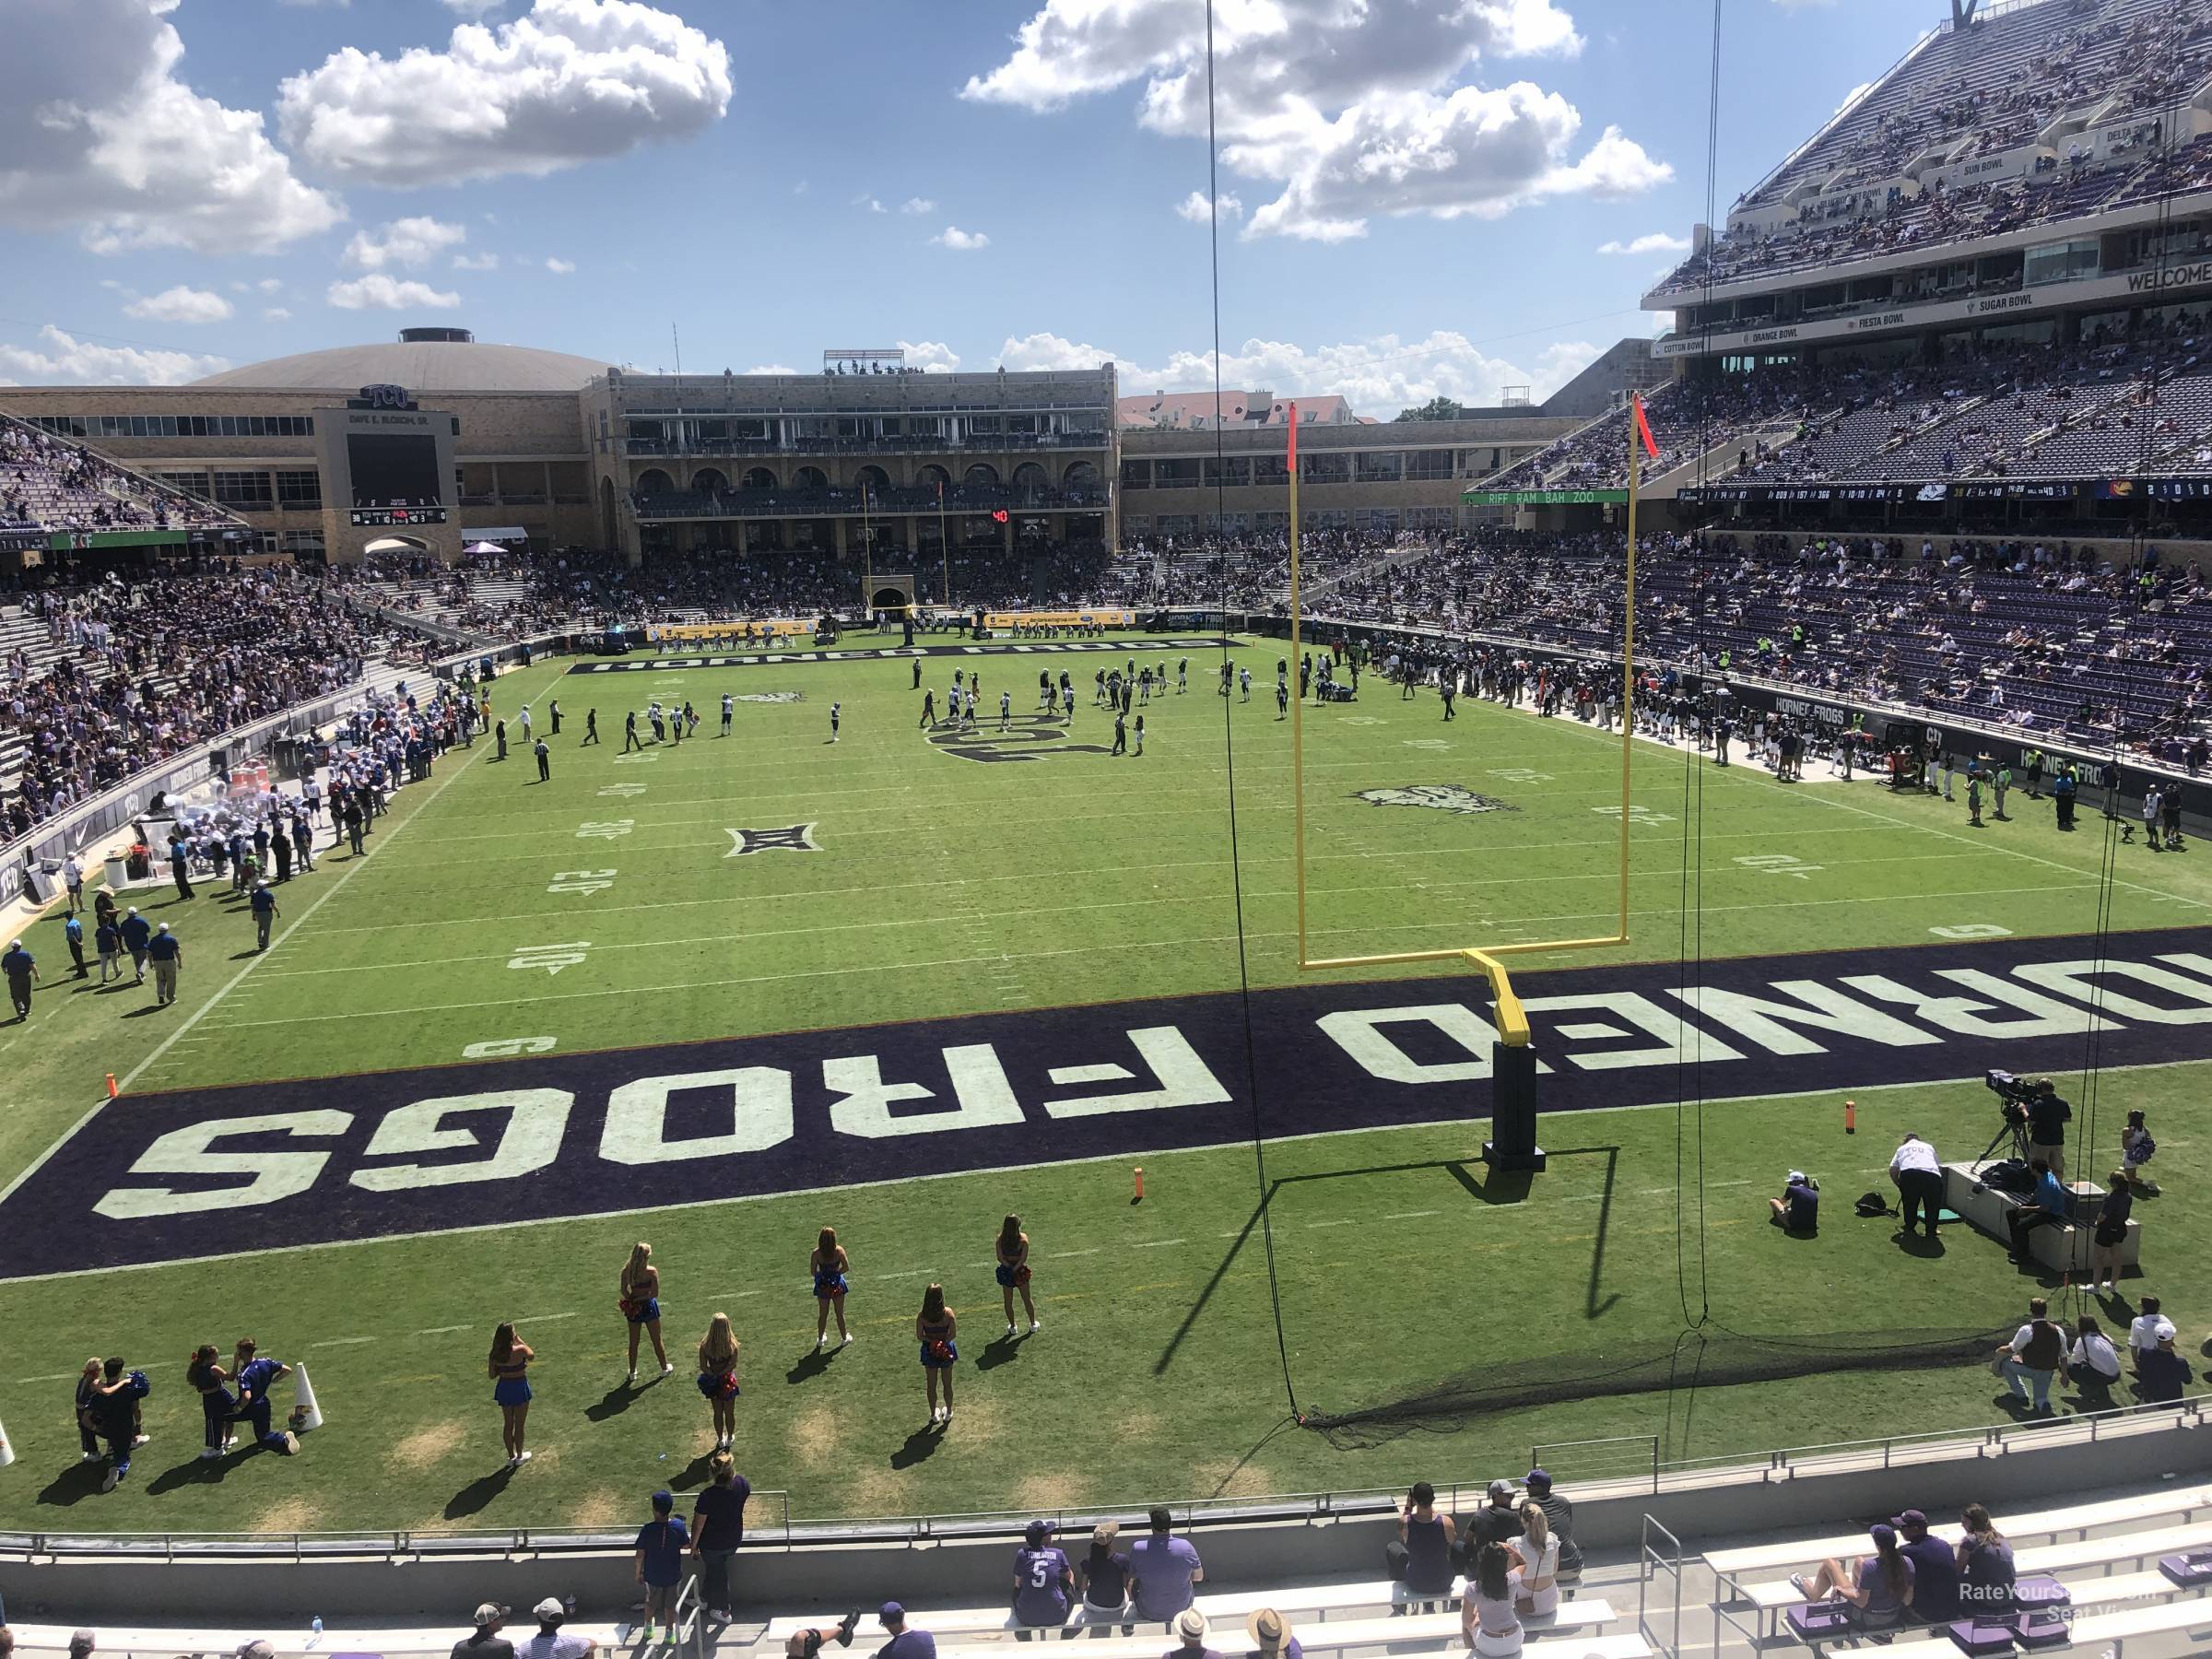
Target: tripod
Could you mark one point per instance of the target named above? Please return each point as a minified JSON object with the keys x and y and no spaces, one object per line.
{"x":2014,"y":1127}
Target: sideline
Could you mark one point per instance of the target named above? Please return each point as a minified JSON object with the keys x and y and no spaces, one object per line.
{"x":206,"y":1007}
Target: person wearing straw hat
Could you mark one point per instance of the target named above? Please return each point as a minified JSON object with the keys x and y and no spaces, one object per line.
{"x":1271,"y":1637}
{"x":1103,"y":1577}
{"x":1190,"y":1634}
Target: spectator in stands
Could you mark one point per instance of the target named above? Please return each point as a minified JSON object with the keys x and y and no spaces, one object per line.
{"x":1270,"y":1633}
{"x":2046,"y":1205}
{"x":1044,"y":1585}
{"x":81,"y":1644}
{"x":904,"y":1644}
{"x":1797,"y":1211}
{"x":1486,"y":1620}
{"x":1497,"y":1521}
{"x":717,"y":1530}
{"x":550,"y":1643}
{"x":1538,"y":1553}
{"x":1986,"y":1565}
{"x":807,"y":1644}
{"x":2031,"y":1358}
{"x":1190,"y":1637}
{"x":485,"y":1641}
{"x":2161,"y":1374}
{"x":660,"y":1548}
{"x":1103,"y":1574}
{"x":1879,"y":1592}
{"x":1161,"y":1570}
{"x":1559,"y":1514}
{"x":1421,"y":1556}
{"x":1917,"y":1174}
{"x":1935,"y":1568}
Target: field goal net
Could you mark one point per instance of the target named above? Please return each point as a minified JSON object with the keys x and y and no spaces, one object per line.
{"x":1710,"y":1357}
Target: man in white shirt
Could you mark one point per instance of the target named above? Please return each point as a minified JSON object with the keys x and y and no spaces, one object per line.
{"x":1917,"y":1174}
{"x":72,"y":877}
{"x":550,"y":1643}
{"x":2143,"y":1330}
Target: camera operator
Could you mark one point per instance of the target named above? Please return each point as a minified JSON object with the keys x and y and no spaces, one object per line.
{"x":2048,"y":1114}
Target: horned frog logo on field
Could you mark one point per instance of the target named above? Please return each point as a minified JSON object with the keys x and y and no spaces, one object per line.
{"x":1443,"y":798}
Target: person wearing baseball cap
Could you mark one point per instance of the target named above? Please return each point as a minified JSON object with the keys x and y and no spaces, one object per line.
{"x":1044,"y":1585}
{"x":260,"y":1648}
{"x":1797,"y":1211}
{"x":550,"y":1643}
{"x":1934,"y":1570}
{"x":1270,"y":1633}
{"x":1878,"y":1594}
{"x":1103,"y":1577}
{"x":485,"y":1641}
{"x":1560,"y":1515}
{"x":904,"y":1644}
{"x":1497,"y":1521}
{"x":2161,"y":1374}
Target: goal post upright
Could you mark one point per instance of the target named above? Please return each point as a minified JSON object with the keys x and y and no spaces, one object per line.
{"x":1516,"y":1069}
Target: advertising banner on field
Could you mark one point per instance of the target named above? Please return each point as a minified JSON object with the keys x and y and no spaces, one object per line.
{"x":781,"y":627}
{"x":1061,"y":618}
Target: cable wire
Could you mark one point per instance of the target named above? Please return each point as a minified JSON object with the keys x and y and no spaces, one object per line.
{"x":1236,"y":863}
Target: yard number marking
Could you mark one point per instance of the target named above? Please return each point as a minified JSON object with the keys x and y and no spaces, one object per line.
{"x":1778,"y":863}
{"x":503,"y":1047}
{"x":608,"y":829}
{"x":582,"y":881}
{"x":551,"y":957}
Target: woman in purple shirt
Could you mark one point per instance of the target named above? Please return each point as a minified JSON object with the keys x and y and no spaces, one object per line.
{"x":1881,"y":1591}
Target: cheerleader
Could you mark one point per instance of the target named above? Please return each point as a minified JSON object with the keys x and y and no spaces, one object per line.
{"x":1014,"y":1271}
{"x":935,"y":1328}
{"x":87,"y":1387}
{"x":255,"y":1376}
{"x":640,"y":1305}
{"x":718,"y":1378}
{"x":830,"y":1265}
{"x":216,"y":1404}
{"x":511,"y":1357}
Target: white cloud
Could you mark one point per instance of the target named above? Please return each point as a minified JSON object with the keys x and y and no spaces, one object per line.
{"x":932,"y":357}
{"x":269,"y":285}
{"x":475,"y":261}
{"x":964,"y":241}
{"x":473,"y":8}
{"x":1653,"y":242}
{"x":570,"y":82}
{"x":65,"y":361}
{"x":561,"y":267}
{"x":1853,"y":97}
{"x":771,"y":368}
{"x":101,"y":133}
{"x":407,"y":242}
{"x":276,"y":313}
{"x":1347,"y":107}
{"x":1378,"y":376}
{"x":1196,"y":209}
{"x":865,"y":200}
{"x":388,"y":293}
{"x":914,"y":206}
{"x":179,"y":304}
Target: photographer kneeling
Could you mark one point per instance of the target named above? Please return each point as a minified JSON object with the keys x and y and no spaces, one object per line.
{"x":1797,"y":1211}
{"x":2045,"y":1207}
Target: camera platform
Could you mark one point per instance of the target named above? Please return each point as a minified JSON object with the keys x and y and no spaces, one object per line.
{"x":2062,"y":1249}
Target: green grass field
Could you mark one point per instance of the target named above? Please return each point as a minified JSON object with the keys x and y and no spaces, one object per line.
{"x":945,"y":887}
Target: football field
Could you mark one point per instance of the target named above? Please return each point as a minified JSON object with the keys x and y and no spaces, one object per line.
{"x":716,"y":995}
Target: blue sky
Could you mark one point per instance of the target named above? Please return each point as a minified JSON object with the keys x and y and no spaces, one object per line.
{"x":1422,"y":187}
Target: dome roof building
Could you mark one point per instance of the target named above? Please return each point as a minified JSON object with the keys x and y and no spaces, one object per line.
{"x":422,"y":359}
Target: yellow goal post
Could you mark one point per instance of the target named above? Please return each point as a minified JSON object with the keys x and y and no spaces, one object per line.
{"x":1511,"y":1017}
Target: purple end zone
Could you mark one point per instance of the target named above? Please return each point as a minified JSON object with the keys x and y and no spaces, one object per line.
{"x":192,"y":1173}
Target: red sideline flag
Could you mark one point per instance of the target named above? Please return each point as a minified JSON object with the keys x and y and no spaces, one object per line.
{"x":1643,"y":428}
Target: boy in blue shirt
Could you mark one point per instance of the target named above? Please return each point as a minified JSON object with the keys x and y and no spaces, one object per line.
{"x":661,"y":1545}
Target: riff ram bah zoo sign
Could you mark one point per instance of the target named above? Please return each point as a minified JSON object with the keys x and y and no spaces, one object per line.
{"x":542,"y":1136}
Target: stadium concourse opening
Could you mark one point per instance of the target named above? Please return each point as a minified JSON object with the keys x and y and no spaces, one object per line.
{"x":543,"y":873}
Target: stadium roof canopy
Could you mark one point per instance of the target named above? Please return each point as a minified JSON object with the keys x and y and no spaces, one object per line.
{"x":452,"y":362}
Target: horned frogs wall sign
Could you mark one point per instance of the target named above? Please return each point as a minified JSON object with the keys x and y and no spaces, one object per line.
{"x":1441,"y":798}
